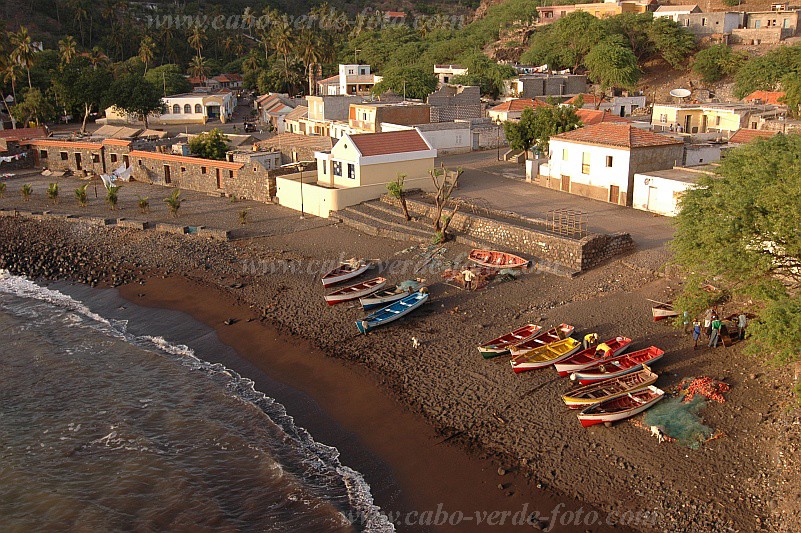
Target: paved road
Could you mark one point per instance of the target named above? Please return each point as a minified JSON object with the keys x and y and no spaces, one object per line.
{"x":502,"y":186}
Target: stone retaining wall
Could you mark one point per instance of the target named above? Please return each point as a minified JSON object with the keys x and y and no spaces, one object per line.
{"x":576,"y":255}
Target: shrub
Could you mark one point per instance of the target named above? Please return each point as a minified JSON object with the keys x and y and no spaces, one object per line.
{"x":27,"y":191}
{"x":173,"y":201}
{"x":144,"y":205}
{"x":52,"y":192}
{"x":243,"y":216}
{"x":81,"y":196}
{"x":112,"y":196}
{"x":2,"y":190}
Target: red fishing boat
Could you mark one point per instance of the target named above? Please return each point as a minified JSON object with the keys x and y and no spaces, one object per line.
{"x":558,"y":333}
{"x":501,"y":345}
{"x":497,"y":260}
{"x":587,"y":358}
{"x":621,"y":407}
{"x":618,"y":366}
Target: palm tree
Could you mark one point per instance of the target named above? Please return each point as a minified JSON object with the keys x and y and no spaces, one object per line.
{"x":166,"y":37}
{"x":281,"y":37}
{"x":24,"y":50}
{"x":80,"y":14}
{"x":97,"y":57}
{"x":239,"y":45}
{"x":146,"y":49}
{"x":196,"y":39}
{"x":198,"y":68}
{"x":309,"y":52}
{"x":67,"y":49}
{"x":11,"y":72}
{"x":248,"y":18}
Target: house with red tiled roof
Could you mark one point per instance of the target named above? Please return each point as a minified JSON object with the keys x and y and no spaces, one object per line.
{"x":600,"y":161}
{"x":621,"y":106}
{"x":357,"y":169}
{"x":513,"y":109}
{"x":590,"y":117}
{"x":765,"y":98}
{"x":745,"y":135}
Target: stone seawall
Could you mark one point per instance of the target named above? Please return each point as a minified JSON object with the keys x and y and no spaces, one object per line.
{"x":524,"y":236}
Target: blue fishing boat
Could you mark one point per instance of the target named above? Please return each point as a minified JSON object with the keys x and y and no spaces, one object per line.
{"x":392,"y":312}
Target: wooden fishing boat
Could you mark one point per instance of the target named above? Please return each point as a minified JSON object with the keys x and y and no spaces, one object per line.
{"x":601,"y":391}
{"x":545,"y":355}
{"x":662,"y":310}
{"x":353,"y":292}
{"x":501,"y":345}
{"x":344,"y":272}
{"x":587,"y":358}
{"x":392,"y":312}
{"x":618,"y":366}
{"x":552,"y":335}
{"x":620,"y":407}
{"x":385,"y":297}
{"x":497,"y":260}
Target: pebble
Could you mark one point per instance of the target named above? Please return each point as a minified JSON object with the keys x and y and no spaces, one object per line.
{"x":501,"y":472}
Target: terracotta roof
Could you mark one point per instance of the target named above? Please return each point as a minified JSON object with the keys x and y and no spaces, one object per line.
{"x":332,"y":79}
{"x":518,"y":104}
{"x":587,"y":97}
{"x":743,"y":136}
{"x":596,"y":116}
{"x":668,"y":9}
{"x":765,"y":97}
{"x":395,"y":14}
{"x":21,"y":134}
{"x":183,"y":159}
{"x":299,"y":112}
{"x":318,"y":143}
{"x":116,"y":142}
{"x":614,"y":134}
{"x":223,"y":78}
{"x":391,"y":142}
{"x":65,"y":143}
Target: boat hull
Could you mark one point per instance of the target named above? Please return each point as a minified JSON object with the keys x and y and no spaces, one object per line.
{"x":566,"y":367}
{"x":497,"y":260}
{"x":501,"y":345}
{"x":592,"y":394}
{"x":556,"y":334}
{"x":588,"y":418}
{"x":391,"y":312}
{"x":524,"y":364}
{"x":367,"y":288}
{"x":596,"y":373}
{"x":334,"y":279}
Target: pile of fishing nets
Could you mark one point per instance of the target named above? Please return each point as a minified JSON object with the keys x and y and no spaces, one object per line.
{"x":409,"y":285}
{"x":679,"y":420}
{"x":709,"y":388}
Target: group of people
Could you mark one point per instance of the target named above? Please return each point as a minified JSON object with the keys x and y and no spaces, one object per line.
{"x":713,"y":328}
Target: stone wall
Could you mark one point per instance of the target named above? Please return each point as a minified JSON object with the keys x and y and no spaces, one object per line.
{"x":575,"y":255}
{"x":752,"y":36}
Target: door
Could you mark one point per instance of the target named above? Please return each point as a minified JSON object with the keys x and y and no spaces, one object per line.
{"x":125,"y":161}
{"x":167,"y":174}
{"x":78,"y":165}
{"x":687,"y":122}
{"x":566,"y":183}
{"x":703,"y":124}
{"x":614,"y":194}
{"x":219,"y":179}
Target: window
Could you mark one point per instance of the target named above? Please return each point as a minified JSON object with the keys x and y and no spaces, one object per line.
{"x":187,"y":109}
{"x":231,"y":174}
{"x":42,"y":154}
{"x":564,"y":154}
{"x":183,"y":169}
{"x":717,"y":121}
{"x":585,"y":163}
{"x":113,"y":158}
{"x":757,"y":24}
{"x":64,"y":156}
{"x":176,"y":109}
{"x":663,"y":118}
{"x":198,"y":108}
{"x":95,"y":158}
{"x":703,"y":22}
{"x":325,"y":167}
{"x":141,"y":164}
{"x":609,"y":161}
{"x":351,"y":171}
{"x":202,"y":170}
{"x":338,"y":168}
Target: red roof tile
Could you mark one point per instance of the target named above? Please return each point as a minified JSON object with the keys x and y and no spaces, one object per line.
{"x":765,"y":97}
{"x":391,"y":142}
{"x":518,"y":104}
{"x":743,"y":136}
{"x":596,"y":116}
{"x":587,"y":97}
{"x":614,"y":134}
{"x":21,"y":134}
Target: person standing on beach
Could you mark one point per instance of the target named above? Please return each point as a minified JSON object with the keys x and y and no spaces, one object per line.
{"x":714,"y":337}
{"x":742,"y":323}
{"x":468,"y":276}
{"x":708,"y":322}
{"x":696,"y":333}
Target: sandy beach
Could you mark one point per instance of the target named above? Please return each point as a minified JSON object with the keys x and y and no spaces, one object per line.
{"x":442,"y":418}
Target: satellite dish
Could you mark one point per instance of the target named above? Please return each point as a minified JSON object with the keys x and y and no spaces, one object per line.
{"x":680,"y":93}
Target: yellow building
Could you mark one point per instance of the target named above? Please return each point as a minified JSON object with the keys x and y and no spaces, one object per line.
{"x":700,"y":118}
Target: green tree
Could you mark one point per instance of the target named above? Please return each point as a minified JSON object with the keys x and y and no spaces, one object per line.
{"x":566,"y":42}
{"x":135,"y":95}
{"x":209,"y":145}
{"x":740,"y":229}
{"x":611,"y":64}
{"x":537,"y":126}
{"x":791,"y":84}
{"x":764,"y":73}
{"x":415,"y":82}
{"x":67,"y":49}
{"x":147,"y":49}
{"x":717,"y":61}
{"x":34,"y":107}
{"x":23,"y":51}
{"x":169,"y":78}
{"x":81,"y":88}
{"x":670,"y":41}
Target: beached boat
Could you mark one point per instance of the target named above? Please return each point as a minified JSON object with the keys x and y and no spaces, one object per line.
{"x":385,"y":297}
{"x":501,"y":345}
{"x":587,"y":358}
{"x":552,"y":335}
{"x":353,"y":292}
{"x":545,"y":355}
{"x":497,"y":260}
{"x":618,"y":366}
{"x":662,"y":310}
{"x":344,"y":272}
{"x":392,"y":312}
{"x":601,"y":391}
{"x":620,"y":407}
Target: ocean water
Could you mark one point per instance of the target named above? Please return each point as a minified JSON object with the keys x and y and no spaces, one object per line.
{"x":101,"y":429}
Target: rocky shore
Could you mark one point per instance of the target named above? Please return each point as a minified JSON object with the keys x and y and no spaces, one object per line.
{"x":745,"y":480}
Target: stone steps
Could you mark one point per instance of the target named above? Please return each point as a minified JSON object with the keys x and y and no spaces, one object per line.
{"x":371,"y":226}
{"x":385,"y":214}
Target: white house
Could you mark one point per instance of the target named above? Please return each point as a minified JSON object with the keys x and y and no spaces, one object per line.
{"x":660,"y":191}
{"x":446,"y":73}
{"x":187,"y":108}
{"x":674,"y":12}
{"x":600,"y":161}
{"x":351,"y":80}
{"x":444,"y":137}
{"x":358,"y":168}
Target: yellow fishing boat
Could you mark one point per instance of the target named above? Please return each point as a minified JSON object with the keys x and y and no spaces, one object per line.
{"x":545,"y":355}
